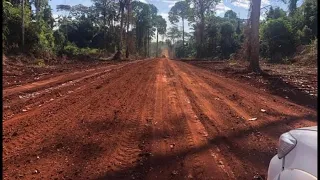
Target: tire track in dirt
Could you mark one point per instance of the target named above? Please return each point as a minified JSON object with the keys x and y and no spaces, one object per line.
{"x":77,"y":75}
{"x":167,"y":131}
{"x":178,"y":134}
{"x":253,"y":102}
{"x":47,"y":92}
{"x":128,"y":153}
{"x":261,"y":97}
{"x":206,"y":164}
{"x":69,"y":112}
{"x":125,"y":150}
{"x":64,"y":113}
{"x":155,"y":119}
{"x":201,"y":95}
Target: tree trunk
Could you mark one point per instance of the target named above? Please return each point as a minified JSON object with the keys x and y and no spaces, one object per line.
{"x":157,"y":44}
{"x":145,"y":46}
{"x":121,"y":30}
{"x":128,"y":23}
{"x":201,"y":30}
{"x":124,"y":36}
{"x":117,"y":56}
{"x":104,"y":29}
{"x":183,"y":52}
{"x":173,"y":49}
{"x":22,"y":27}
{"x":37,"y":6}
{"x":254,"y":40}
{"x":148,"y":41}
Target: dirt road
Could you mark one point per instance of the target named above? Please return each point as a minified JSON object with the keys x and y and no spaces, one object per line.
{"x":150,"y":119}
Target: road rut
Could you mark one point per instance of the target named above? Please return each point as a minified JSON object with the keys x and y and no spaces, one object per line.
{"x":151,"y":119}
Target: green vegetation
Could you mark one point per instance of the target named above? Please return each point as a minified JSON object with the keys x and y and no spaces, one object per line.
{"x":277,"y":39}
{"x":280,"y":32}
{"x":127,"y":27}
{"x":84,"y":31}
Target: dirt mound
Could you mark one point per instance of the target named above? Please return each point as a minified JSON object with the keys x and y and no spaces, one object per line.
{"x":306,"y":55}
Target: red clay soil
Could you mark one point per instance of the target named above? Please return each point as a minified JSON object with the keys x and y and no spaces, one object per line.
{"x":150,"y":119}
{"x":16,"y":73}
{"x":297,"y":83}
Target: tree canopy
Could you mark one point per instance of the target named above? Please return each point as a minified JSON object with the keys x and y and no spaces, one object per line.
{"x":110,"y":26}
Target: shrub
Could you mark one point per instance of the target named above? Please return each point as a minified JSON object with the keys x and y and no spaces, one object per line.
{"x":59,"y":41}
{"x":71,"y":50}
{"x":277,"y":39}
{"x":11,"y":29}
{"x":306,"y":35}
{"x":227,"y":42}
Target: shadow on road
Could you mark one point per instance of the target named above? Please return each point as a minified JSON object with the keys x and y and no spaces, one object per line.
{"x":257,"y":158}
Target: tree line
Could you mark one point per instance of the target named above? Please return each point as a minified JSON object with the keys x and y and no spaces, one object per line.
{"x":280,"y":32}
{"x":122,"y":27}
{"x":126,"y":27}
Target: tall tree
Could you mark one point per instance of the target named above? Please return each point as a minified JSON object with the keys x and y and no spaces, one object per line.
{"x":105,"y":12}
{"x":180,"y":9}
{"x":128,"y":7}
{"x":161,"y":26}
{"x":152,"y":23}
{"x":230,"y":14}
{"x":22,"y":25}
{"x":170,"y":47}
{"x":174,"y":34}
{"x":292,"y":6}
{"x":122,"y":4}
{"x":142,"y":15}
{"x":39,"y":6}
{"x":200,"y":9}
{"x":254,"y":39}
{"x":66,"y":9}
{"x":227,"y":44}
{"x":275,"y":13}
{"x":310,"y":15}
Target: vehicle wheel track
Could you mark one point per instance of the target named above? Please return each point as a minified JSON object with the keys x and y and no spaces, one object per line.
{"x":24,"y":142}
{"x":129,"y":150}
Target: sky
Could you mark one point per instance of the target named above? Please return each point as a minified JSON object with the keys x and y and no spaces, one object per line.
{"x":239,"y":6}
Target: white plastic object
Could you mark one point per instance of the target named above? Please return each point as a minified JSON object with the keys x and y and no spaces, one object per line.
{"x":296,"y":174}
{"x":286,"y":144}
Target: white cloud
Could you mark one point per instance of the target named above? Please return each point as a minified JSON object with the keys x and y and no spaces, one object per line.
{"x":169,"y":2}
{"x":144,"y":1}
{"x":221,"y":8}
{"x":85,"y":2}
{"x":245,"y":3}
{"x":265,"y":3}
{"x":241,"y":3}
{"x":55,"y":16}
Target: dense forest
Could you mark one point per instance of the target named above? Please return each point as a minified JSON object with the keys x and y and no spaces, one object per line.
{"x":126,"y":28}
